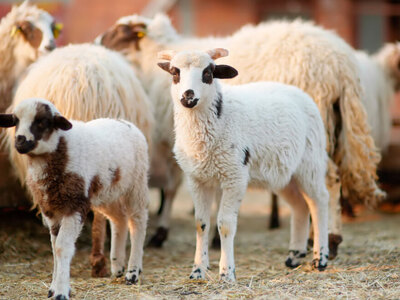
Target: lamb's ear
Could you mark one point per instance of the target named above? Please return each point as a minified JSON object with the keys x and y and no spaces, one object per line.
{"x":8,"y":120}
{"x":165,"y":66}
{"x":224,"y":72}
{"x":62,"y":123}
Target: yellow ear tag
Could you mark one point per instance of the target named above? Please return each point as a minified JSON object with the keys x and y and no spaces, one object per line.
{"x":14,"y":30}
{"x":140,"y":34}
{"x":57,"y":29}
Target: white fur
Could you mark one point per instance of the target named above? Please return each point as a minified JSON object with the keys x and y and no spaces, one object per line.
{"x":96,"y":148}
{"x":281,"y":128}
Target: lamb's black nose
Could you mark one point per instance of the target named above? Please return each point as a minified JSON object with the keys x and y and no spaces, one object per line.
{"x":189,"y":94}
{"x":20,"y":139}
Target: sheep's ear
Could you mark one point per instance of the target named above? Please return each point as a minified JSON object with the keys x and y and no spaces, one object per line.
{"x":165,"y":66}
{"x":62,"y":123}
{"x":224,"y":72}
{"x":8,"y":120}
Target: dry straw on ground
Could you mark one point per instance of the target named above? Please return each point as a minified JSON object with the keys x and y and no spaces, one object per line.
{"x":368,"y":266}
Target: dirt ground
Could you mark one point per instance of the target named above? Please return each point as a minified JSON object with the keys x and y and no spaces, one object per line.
{"x":368,"y":265}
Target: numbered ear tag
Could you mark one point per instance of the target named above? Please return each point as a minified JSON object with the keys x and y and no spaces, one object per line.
{"x":14,"y":30}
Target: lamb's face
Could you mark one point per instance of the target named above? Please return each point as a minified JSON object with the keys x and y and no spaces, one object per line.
{"x":125,"y":34}
{"x":36,"y":121}
{"x":193,"y":74}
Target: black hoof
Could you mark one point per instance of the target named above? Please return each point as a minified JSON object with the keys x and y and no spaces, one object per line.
{"x":334,"y":242}
{"x":50,"y":294}
{"x":158,"y":238}
{"x":316,"y":264}
{"x":274,"y":223}
{"x":61,"y":297}
{"x":290,"y":264}
{"x":120,"y":273}
{"x":131,"y":281}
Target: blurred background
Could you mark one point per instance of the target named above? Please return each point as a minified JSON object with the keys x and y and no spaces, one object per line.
{"x":364,"y":24}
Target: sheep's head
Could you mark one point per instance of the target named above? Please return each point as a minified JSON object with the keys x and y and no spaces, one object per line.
{"x":125,"y":34}
{"x":36,"y":121}
{"x":193,"y":73}
{"x":35,"y":30}
{"x":389,"y":57}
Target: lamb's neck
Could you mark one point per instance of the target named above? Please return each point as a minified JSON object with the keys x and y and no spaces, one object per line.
{"x":198,"y":130}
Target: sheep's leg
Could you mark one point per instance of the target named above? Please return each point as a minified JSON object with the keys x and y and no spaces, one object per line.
{"x":216,"y":241}
{"x":299,"y":224}
{"x":274,"y":218}
{"x":161,"y":234}
{"x":174,"y":181}
{"x":70,"y":227}
{"x":227,"y":222}
{"x":335,"y":212}
{"x":137,"y":228}
{"x":119,"y":231}
{"x":202,"y":198}
{"x":317,"y":198}
{"x":97,"y":258}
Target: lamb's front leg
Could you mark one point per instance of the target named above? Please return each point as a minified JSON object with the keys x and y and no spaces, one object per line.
{"x":202,"y":198}
{"x":54,"y":228}
{"x":69,"y":230}
{"x":227,"y":222}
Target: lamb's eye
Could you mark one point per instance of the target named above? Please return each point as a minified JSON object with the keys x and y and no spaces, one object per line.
{"x":42,"y":123}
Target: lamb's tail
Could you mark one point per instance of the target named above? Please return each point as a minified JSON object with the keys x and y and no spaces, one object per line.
{"x":356,"y":154}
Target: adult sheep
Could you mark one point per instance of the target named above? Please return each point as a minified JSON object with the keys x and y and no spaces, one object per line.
{"x":26,"y":32}
{"x":85,"y":82}
{"x":297,"y":53}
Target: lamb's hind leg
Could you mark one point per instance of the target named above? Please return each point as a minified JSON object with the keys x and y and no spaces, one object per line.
{"x":299,"y":224}
{"x":119,"y":231}
{"x":317,"y":198}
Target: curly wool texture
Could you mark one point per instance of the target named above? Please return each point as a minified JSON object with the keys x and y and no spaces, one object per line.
{"x":298,"y":53}
{"x":13,"y":62}
{"x":84,"y":82}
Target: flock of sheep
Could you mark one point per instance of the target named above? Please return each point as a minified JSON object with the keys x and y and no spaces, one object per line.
{"x":313,"y":132}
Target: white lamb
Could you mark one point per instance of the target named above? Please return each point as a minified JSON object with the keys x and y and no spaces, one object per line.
{"x":297,"y":53}
{"x":75,"y":166}
{"x":266,"y":134}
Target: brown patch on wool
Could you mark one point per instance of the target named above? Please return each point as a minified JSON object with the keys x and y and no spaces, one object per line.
{"x":31,"y":34}
{"x":116,"y":177}
{"x":55,"y":229}
{"x":64,"y":191}
{"x":42,"y":126}
{"x":121,"y":36}
{"x":95,"y":186}
{"x":224,"y":231}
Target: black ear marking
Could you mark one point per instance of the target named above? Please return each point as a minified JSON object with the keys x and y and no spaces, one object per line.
{"x":62,"y":123}
{"x":8,"y":120}
{"x":224,"y":72}
{"x":165,"y":66}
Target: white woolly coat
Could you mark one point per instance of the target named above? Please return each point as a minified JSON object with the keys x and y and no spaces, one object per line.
{"x":278,"y":124}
